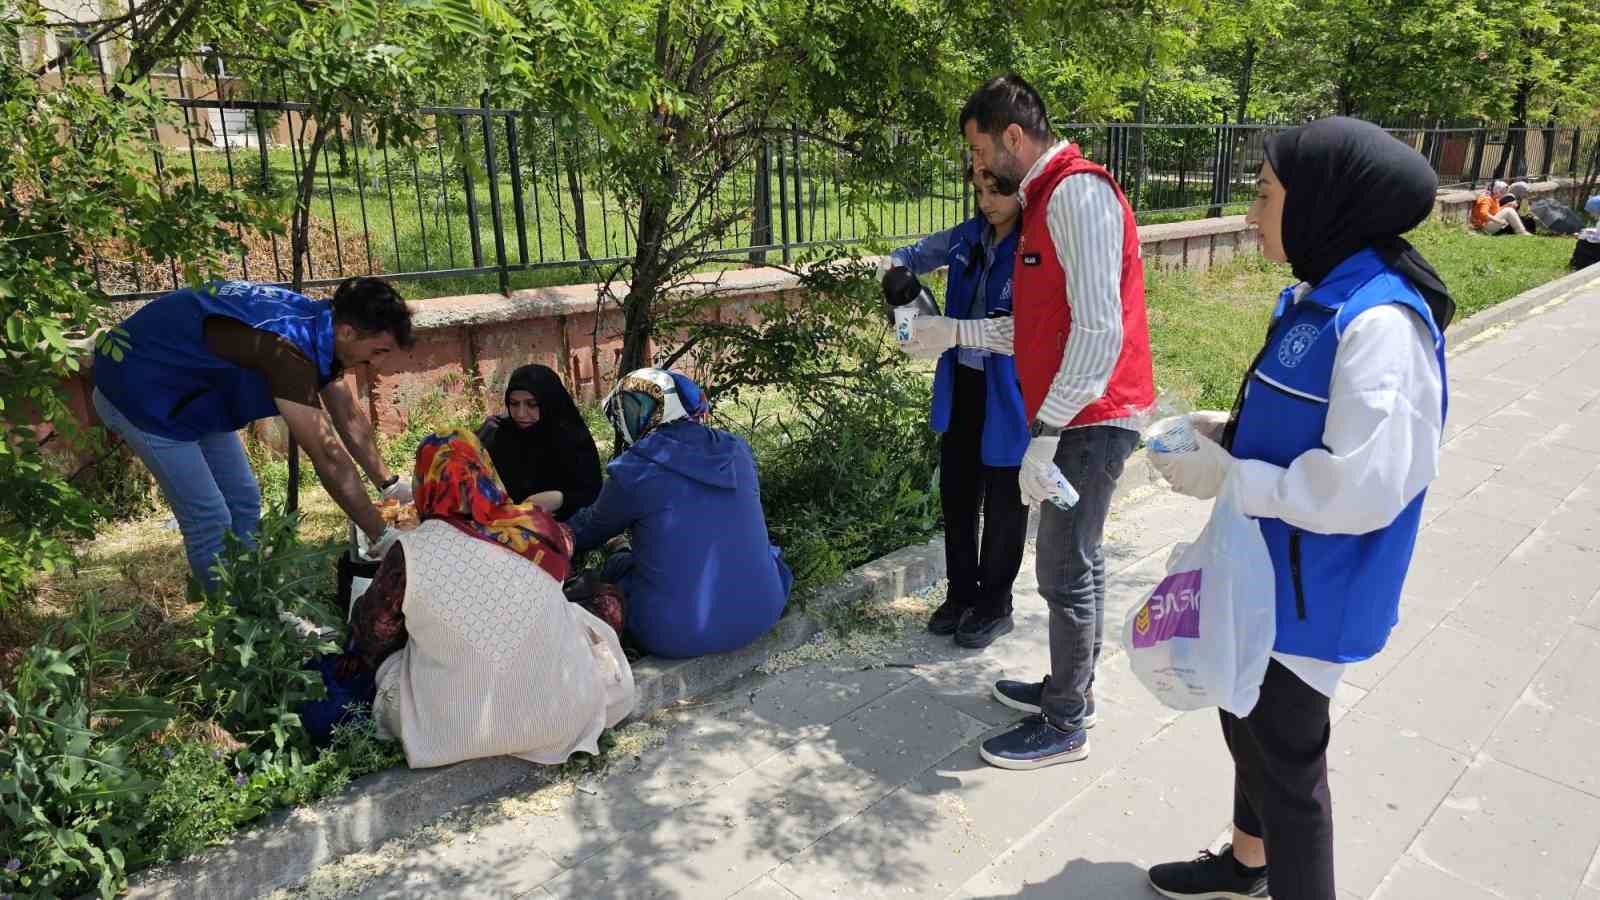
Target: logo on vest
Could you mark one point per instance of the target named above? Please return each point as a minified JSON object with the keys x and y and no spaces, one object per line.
{"x":1030,"y":259}
{"x":1173,"y":611}
{"x":1296,"y":344}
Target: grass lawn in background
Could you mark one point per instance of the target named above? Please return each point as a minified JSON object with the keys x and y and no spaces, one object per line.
{"x":1205,"y":327}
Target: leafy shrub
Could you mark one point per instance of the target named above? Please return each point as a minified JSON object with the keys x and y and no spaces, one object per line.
{"x":203,"y":797}
{"x":94,"y":785}
{"x":258,"y":628}
{"x":838,"y":417}
{"x":68,"y":793}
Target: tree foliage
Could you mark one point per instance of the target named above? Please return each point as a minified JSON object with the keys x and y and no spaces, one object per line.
{"x":79,"y":189}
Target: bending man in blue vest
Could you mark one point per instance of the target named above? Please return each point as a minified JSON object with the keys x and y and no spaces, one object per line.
{"x":977,"y":406}
{"x":201,"y":363}
{"x":1333,"y":441}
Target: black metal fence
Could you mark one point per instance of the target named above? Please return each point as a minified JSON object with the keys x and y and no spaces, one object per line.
{"x":495,"y":199}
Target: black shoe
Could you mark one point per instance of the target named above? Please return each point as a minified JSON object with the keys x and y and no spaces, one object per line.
{"x":979,"y":629}
{"x":1212,"y":876}
{"x":947,"y":617}
{"x":1025,"y":696}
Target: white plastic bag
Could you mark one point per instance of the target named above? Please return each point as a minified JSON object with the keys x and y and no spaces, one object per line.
{"x":1204,"y":636}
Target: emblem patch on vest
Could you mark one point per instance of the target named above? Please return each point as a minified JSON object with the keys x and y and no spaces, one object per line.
{"x":1296,"y":344}
{"x":1030,"y":259}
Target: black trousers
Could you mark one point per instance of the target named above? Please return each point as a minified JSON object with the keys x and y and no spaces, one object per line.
{"x":982,"y":567}
{"x":1280,"y":784}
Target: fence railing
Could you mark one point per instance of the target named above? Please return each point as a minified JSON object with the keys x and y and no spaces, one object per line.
{"x":494,"y":199}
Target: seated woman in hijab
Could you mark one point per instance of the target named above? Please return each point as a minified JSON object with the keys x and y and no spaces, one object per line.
{"x":541,"y":446}
{"x":701,"y":576}
{"x":1330,"y":448}
{"x":475,"y":650}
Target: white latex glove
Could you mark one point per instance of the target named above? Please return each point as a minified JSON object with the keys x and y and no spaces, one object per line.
{"x":400,"y":490}
{"x":930,"y":336}
{"x":1198,"y":473}
{"x":380,"y":547}
{"x":1039,"y":479}
{"x":1209,"y":422}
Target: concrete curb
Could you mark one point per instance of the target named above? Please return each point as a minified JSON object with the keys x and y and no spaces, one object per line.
{"x":1497,"y":318}
{"x":292,"y":843}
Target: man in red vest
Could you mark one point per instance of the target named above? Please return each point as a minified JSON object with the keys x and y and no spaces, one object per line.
{"x":1082,"y":349}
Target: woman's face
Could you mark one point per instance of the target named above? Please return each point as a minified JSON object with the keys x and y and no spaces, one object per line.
{"x":1001,"y":210}
{"x":1266,"y":214}
{"x":523,"y":408}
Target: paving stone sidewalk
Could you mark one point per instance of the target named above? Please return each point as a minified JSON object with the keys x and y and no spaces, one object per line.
{"x":1464,"y":759}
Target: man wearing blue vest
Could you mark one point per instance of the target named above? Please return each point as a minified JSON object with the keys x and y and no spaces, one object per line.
{"x":196,"y":365}
{"x":1331,"y":445}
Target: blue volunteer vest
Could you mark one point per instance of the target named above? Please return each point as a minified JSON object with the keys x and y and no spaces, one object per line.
{"x":167,"y":383}
{"x":1005,"y":427}
{"x":1338,"y":595}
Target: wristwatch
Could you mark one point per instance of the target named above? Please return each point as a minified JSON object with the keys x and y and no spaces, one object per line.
{"x":1040,"y":429}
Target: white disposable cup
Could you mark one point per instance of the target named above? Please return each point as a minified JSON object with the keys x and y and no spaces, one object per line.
{"x":903,"y":315}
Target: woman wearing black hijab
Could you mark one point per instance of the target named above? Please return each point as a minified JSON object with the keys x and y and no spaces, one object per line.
{"x":1331,"y":445}
{"x":540,"y":446}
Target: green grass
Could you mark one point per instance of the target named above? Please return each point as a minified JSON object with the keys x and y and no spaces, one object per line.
{"x":1205,"y":327}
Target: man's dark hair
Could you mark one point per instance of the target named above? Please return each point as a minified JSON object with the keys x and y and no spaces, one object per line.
{"x":371,"y":306}
{"x":1004,"y":101}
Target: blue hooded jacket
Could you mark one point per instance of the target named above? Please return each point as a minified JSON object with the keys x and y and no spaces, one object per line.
{"x":705,"y":579}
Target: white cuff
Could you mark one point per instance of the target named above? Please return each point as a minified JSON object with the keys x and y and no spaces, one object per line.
{"x":1258,"y":485}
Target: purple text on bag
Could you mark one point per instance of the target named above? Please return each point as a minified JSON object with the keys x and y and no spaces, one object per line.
{"x":1173,"y":610}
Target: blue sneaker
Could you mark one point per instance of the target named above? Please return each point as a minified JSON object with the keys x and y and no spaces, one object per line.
{"x":1025,"y":696}
{"x":1033,"y":744}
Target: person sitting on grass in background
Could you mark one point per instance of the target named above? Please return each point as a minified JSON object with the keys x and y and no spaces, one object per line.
{"x":1519,"y":192}
{"x":701,"y":575}
{"x":1489,"y":217}
{"x":977,"y":407}
{"x":464,"y":643}
{"x":541,"y":446}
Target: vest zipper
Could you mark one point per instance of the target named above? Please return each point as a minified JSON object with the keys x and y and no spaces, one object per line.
{"x":1294,"y":572}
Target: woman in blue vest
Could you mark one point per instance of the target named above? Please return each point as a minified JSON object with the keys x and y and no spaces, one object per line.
{"x":191,"y":368}
{"x":1332,"y":443}
{"x":977,"y":406}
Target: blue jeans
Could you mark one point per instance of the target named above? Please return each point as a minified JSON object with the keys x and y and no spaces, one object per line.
{"x":1072,"y":565}
{"x":208,"y":484}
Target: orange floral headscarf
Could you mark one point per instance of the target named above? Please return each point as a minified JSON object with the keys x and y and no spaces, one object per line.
{"x":456,"y":482}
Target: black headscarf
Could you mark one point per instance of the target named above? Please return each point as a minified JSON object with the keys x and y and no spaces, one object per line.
{"x":1350,"y":186}
{"x":557,"y":453}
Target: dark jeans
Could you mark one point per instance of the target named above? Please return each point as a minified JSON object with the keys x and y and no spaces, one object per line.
{"x":981,"y":569}
{"x":1280,"y":784}
{"x":1072,"y":566}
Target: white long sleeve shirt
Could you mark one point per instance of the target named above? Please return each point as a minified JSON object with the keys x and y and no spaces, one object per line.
{"x":1382,"y":446}
{"x":1085,"y":223}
